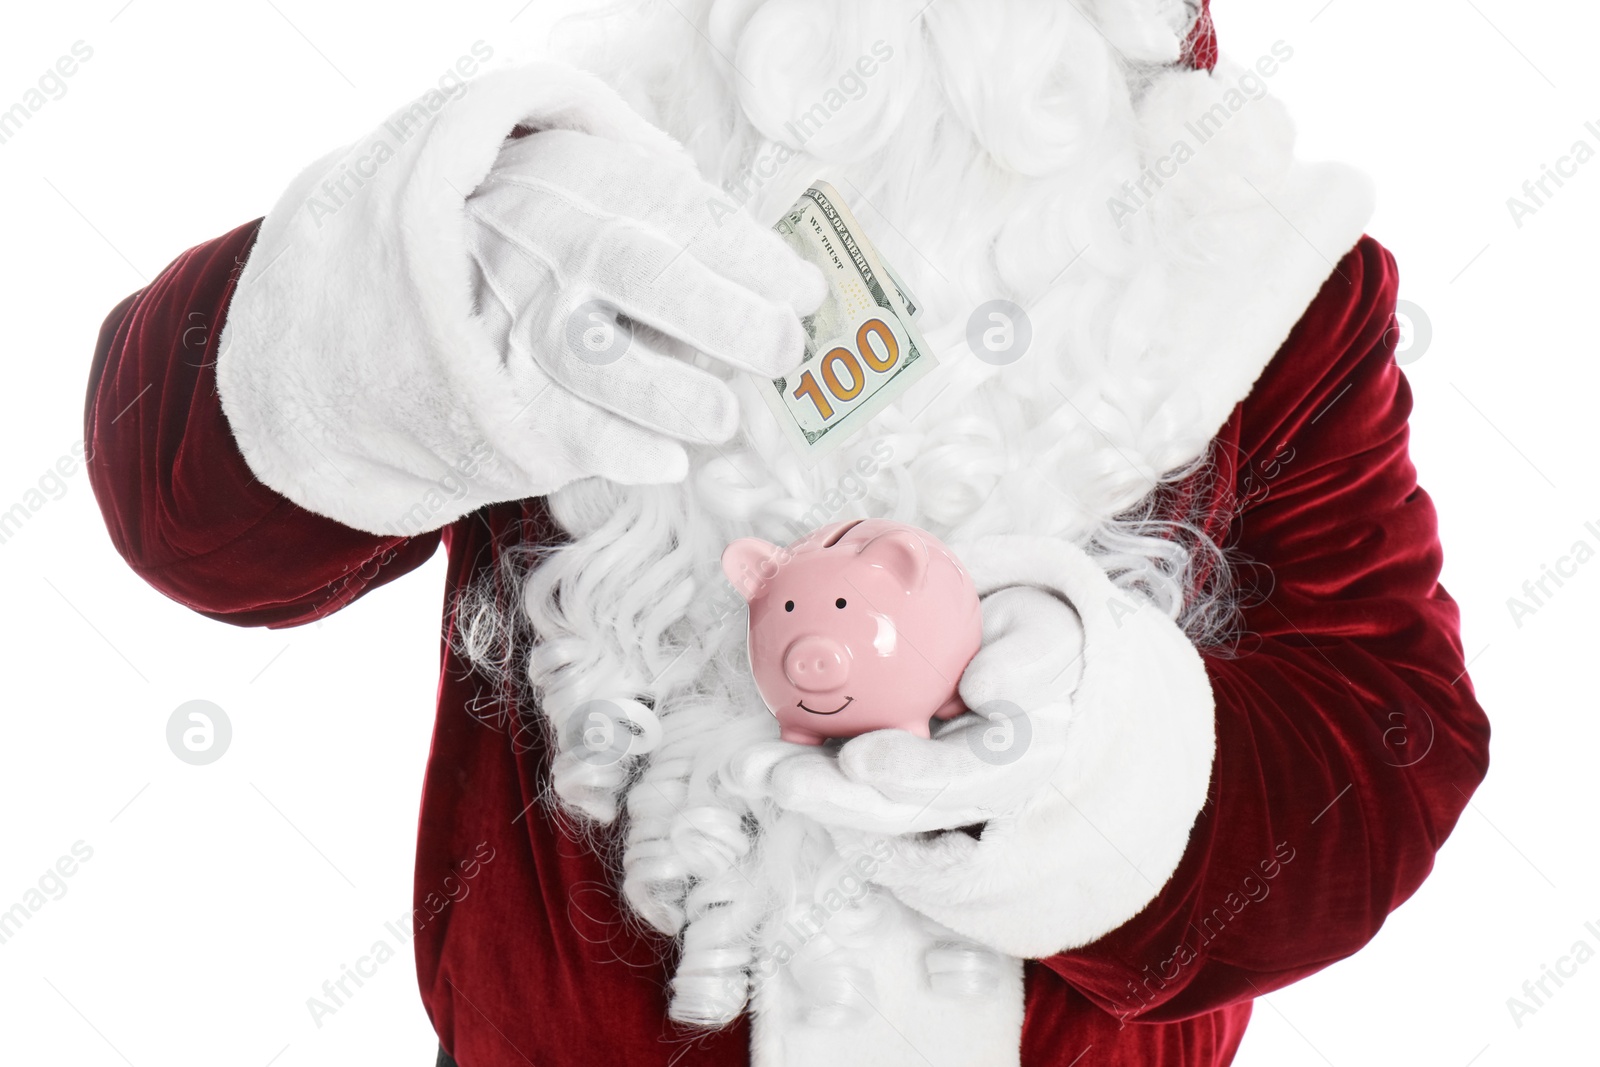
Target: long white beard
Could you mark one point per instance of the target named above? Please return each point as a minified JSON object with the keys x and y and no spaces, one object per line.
{"x":980,"y":156}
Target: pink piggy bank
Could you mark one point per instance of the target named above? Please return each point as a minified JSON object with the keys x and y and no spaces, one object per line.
{"x":859,"y":626}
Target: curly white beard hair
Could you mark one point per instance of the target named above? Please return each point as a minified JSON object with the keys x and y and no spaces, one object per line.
{"x":980,"y":155}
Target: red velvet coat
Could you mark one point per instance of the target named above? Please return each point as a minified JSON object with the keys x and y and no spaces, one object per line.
{"x":1348,"y":738}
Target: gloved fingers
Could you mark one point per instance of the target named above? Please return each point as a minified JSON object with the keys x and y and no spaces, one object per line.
{"x":510,"y":275}
{"x":1032,"y":652}
{"x":908,"y":768}
{"x":531,"y":254}
{"x":800,"y":778}
{"x":754,"y":257}
{"x":628,"y":454}
{"x":645,"y":275}
{"x":604,"y":179}
{"x":611,"y":363}
{"x":986,"y":763}
{"x":613,"y":183}
{"x":557,"y":430}
{"x":809,"y":781}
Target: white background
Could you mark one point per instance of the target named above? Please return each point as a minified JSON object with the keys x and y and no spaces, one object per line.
{"x":219,"y":898}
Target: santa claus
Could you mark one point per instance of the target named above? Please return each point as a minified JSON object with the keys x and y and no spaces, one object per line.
{"x":1178,"y":474}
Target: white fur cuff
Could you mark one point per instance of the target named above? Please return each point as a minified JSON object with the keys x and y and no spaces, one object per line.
{"x":352,"y":374}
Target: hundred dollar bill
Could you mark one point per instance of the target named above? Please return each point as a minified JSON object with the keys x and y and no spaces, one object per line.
{"x":863,"y":348}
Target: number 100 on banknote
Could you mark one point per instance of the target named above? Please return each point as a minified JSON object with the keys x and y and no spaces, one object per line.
{"x":863,"y":348}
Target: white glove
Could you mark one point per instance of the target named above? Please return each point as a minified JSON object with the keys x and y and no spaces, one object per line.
{"x":363,"y":381}
{"x":983,"y":763}
{"x":569,"y":231}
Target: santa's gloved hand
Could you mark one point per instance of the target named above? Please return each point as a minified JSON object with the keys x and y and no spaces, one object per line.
{"x":600,"y":272}
{"x":976,"y":766}
{"x":428,"y":319}
{"x":1087,"y":823}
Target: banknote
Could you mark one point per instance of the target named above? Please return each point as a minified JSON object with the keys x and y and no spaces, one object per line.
{"x":863,"y":348}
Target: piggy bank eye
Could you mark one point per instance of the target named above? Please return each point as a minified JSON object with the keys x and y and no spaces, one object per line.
{"x":839,"y":603}
{"x":788,"y":605}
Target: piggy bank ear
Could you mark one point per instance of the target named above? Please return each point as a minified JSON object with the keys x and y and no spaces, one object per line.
{"x":749,"y":564}
{"x":901,"y":553}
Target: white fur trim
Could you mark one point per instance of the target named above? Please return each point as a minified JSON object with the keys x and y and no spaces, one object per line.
{"x":906,"y":1022}
{"x":350,"y":371}
{"x":1274,"y":230}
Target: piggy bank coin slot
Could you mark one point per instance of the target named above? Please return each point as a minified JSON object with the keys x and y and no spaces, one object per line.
{"x":846,"y":528}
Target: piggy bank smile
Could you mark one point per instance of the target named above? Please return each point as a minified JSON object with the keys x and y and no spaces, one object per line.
{"x":871,"y":615}
{"x":848,"y":701}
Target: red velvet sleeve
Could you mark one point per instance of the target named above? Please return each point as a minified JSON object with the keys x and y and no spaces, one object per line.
{"x":179,"y":501}
{"x":1348,"y":737}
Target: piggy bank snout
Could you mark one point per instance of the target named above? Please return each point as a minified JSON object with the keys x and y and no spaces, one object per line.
{"x":816,"y":664}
